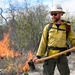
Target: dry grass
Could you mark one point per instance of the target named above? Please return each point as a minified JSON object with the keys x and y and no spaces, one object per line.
{"x":12,"y":66}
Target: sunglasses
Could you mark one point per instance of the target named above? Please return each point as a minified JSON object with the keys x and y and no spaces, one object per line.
{"x":54,"y":14}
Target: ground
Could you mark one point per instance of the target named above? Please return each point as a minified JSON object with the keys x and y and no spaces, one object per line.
{"x":71,"y":60}
{"x":39,"y":68}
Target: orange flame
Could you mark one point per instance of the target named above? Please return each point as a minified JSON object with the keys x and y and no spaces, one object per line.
{"x":5,"y":51}
{"x":26,"y":66}
{"x":8,"y":68}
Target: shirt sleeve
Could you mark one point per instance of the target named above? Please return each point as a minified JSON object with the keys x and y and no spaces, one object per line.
{"x":43,"y":42}
{"x":71,"y":36}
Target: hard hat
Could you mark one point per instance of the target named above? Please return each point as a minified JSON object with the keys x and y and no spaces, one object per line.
{"x":57,"y":8}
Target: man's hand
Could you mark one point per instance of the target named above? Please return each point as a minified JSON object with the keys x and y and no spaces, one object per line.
{"x":35,"y":60}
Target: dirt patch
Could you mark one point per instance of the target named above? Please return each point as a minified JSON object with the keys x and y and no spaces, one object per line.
{"x":39,"y":68}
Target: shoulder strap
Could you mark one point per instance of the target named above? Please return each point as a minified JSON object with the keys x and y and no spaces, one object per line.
{"x":68,"y":27}
{"x":49,"y":27}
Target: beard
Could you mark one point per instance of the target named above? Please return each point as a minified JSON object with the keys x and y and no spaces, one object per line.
{"x":55,"y":19}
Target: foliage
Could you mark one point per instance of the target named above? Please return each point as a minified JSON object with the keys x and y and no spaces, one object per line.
{"x":25,"y":25}
{"x":28,"y":27}
{"x":1,"y":32}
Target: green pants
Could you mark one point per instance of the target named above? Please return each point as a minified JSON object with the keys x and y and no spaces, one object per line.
{"x":62,"y":65}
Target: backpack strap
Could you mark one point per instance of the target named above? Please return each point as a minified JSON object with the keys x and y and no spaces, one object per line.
{"x":49,"y":27}
{"x":68,"y":27}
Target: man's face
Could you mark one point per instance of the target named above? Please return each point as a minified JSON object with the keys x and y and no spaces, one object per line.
{"x":56,"y":16}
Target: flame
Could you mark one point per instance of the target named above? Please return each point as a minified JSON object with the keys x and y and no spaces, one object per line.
{"x":8,"y":68}
{"x":26,"y":66}
{"x":5,"y":50}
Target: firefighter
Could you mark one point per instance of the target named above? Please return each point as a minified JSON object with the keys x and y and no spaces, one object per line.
{"x":55,"y":43}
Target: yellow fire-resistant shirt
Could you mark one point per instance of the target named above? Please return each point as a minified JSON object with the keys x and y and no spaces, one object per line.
{"x":56,"y":38}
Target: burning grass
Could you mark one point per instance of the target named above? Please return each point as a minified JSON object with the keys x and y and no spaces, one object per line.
{"x":13,"y":62}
